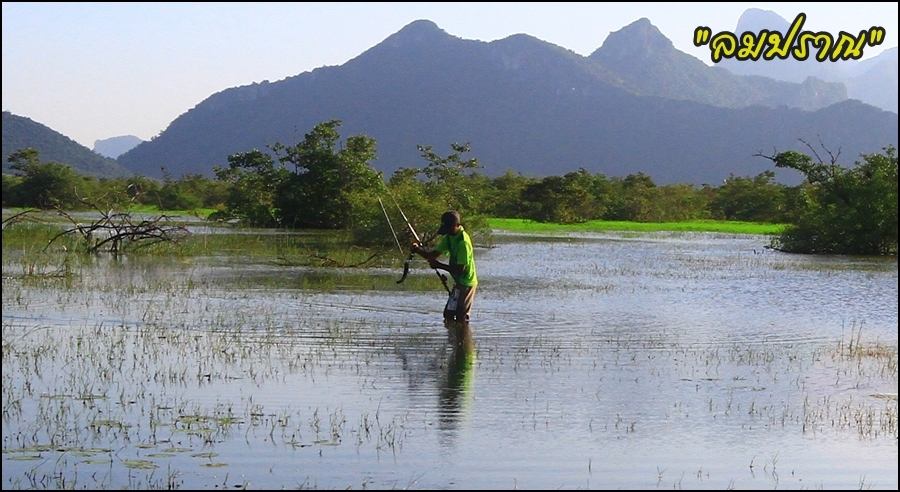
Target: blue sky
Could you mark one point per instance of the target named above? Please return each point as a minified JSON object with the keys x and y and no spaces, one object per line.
{"x":98,"y":70}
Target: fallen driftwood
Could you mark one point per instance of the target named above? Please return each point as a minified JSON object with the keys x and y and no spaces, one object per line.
{"x":113,"y":231}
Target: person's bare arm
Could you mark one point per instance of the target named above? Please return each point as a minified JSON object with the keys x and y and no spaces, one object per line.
{"x":428,"y":254}
{"x":456,"y":270}
{"x":432,"y":256}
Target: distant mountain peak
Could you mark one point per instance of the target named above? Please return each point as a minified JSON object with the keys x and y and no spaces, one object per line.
{"x":113,"y":147}
{"x":640,"y":39}
{"x":528,"y":43}
{"x":421,"y":25}
{"x":755,"y":20}
{"x":643,"y":30}
{"x":418,"y":31}
{"x":521,"y":38}
{"x":889,"y":54}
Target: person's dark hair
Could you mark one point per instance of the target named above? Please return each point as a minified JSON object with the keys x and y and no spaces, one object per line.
{"x":450,"y":219}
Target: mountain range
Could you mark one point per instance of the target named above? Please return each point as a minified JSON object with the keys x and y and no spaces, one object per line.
{"x":635,"y":104}
{"x":20,"y":132}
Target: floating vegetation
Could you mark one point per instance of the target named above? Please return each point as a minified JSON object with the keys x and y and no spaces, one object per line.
{"x":112,"y":424}
{"x":205,"y":455}
{"x":140,"y":464}
{"x":95,"y":461}
{"x":24,"y":457}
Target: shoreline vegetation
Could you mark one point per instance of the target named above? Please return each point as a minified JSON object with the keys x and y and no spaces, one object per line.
{"x":528,"y":225}
{"x":320,"y":184}
{"x":533,"y":226}
{"x":45,"y":252}
{"x":722,"y":226}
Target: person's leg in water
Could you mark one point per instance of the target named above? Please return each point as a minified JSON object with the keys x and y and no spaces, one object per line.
{"x":456,"y":315}
{"x":466,"y":299}
{"x":459,"y":334}
{"x":452,"y":306}
{"x":459,"y":303}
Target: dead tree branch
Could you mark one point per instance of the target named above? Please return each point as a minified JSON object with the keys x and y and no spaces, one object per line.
{"x":23,"y":215}
{"x":113,"y":231}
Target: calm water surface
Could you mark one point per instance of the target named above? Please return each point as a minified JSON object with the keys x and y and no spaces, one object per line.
{"x":595,"y":361}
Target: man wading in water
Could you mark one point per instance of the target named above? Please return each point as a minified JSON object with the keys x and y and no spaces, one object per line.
{"x":458,"y":245}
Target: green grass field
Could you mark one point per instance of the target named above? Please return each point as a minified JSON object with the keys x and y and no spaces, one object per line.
{"x":725,"y":226}
{"x":153,"y":209}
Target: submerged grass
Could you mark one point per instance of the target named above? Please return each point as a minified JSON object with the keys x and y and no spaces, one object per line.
{"x":137,"y":386}
{"x":284,"y":248}
{"x":724,"y":226}
{"x":31,"y":237}
{"x":136,"y":373}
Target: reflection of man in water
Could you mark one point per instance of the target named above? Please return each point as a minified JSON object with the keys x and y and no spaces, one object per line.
{"x":455,"y":391}
{"x":447,"y":367}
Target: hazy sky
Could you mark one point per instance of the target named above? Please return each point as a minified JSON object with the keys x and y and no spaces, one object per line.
{"x":97,"y":70}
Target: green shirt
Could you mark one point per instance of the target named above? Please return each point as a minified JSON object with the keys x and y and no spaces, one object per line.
{"x":460,"y":249}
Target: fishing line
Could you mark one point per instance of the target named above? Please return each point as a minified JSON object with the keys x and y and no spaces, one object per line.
{"x":391,"y":226}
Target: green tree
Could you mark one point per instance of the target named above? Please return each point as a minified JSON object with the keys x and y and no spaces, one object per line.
{"x":446,"y":177}
{"x":202,"y":190}
{"x":450,"y":183}
{"x":47,"y":184}
{"x":445,"y":183}
{"x":174,"y":195}
{"x":11,"y":196}
{"x":847,"y":210}
{"x":253,"y":181}
{"x":142,"y":189}
{"x":758,"y":199}
{"x":679,"y":202}
{"x":604,"y":191}
{"x":505,"y":198}
{"x":566,"y":199}
{"x":633,"y":198}
{"x":329,"y":188}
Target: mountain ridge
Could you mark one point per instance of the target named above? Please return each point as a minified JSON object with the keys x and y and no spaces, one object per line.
{"x":20,"y":132}
{"x":522,"y":103}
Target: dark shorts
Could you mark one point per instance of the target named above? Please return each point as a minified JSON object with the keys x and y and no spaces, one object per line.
{"x":459,"y":303}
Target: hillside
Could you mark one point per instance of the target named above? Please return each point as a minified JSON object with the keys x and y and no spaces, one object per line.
{"x":20,"y":132}
{"x":648,"y":64}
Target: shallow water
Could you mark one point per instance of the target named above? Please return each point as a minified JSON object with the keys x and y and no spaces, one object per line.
{"x":661,"y":360}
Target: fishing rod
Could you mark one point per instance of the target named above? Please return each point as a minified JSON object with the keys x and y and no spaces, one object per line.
{"x":392,"y":228}
{"x":411,"y":253}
